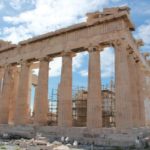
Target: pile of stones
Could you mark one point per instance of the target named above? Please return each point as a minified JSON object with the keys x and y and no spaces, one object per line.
{"x":38,"y":143}
{"x":64,"y":143}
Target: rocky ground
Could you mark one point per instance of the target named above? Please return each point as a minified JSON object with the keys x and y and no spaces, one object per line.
{"x":42,"y":143}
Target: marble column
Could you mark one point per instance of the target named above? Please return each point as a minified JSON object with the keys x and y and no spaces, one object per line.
{"x":139,"y":83}
{"x":6,"y":95}
{"x":22,"y":101}
{"x":94,"y":100}
{"x":134,"y":88}
{"x":14,"y":90}
{"x":41,"y":106}
{"x":123,"y":89}
{"x":65,"y":92}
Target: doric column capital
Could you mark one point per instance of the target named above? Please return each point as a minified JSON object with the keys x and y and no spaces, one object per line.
{"x":9,"y":67}
{"x":25,"y":62}
{"x":116,"y":42}
{"x":120,"y":42}
{"x":46,"y":58}
{"x":93,"y":48}
{"x":69,"y":53}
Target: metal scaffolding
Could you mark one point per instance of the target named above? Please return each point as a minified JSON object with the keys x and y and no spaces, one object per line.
{"x":53,"y":108}
{"x":79,"y":106}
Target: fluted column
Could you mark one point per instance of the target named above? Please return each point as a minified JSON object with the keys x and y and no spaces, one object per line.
{"x":123,"y":88}
{"x":65,"y":92}
{"x":139,"y":83}
{"x":41,"y":107}
{"x":14,"y":90}
{"x":94,"y":100}
{"x":22,"y":100}
{"x":6,"y":95}
{"x":134,"y":88}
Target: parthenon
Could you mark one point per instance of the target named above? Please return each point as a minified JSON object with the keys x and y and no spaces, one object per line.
{"x":113,"y":28}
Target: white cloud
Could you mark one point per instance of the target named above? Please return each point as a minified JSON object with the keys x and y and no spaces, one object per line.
{"x":107,"y":63}
{"x":78,"y":60}
{"x":143,"y":32}
{"x":55,"y":67}
{"x":49,"y":15}
{"x":15,"y":33}
{"x":84,"y":73}
{"x":35,"y":71}
{"x":17,"y":4}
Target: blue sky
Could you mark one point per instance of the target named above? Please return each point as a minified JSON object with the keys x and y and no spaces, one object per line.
{"x":22,"y":19}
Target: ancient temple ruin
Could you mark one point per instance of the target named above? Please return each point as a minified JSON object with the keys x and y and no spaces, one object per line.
{"x":112,"y":28}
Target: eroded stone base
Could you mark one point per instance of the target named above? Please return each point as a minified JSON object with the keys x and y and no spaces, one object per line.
{"x":109,"y":137}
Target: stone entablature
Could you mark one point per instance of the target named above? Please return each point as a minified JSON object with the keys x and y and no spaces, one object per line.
{"x":108,"y":26}
{"x":4,"y":45}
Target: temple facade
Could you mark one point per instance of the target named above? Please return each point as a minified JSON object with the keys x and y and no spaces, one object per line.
{"x":112,"y":27}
